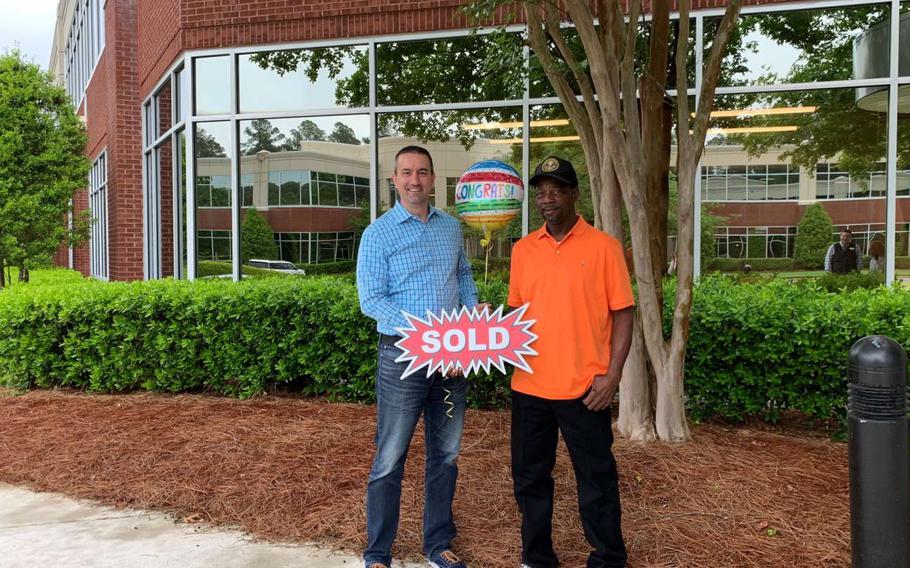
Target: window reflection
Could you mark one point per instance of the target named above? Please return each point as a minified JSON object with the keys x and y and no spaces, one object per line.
{"x":456,"y":140}
{"x":801,"y":46}
{"x":212,"y":76}
{"x":461,"y":69}
{"x":212,"y":147}
{"x":769,"y":155}
{"x":301,"y":79}
{"x":306,"y":178}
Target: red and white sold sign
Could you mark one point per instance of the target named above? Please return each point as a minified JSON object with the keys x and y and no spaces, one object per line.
{"x":465,"y":339}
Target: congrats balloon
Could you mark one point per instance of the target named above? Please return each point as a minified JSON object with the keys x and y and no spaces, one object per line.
{"x":488,"y":196}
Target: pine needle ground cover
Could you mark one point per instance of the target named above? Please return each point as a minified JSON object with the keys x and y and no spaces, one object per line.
{"x":294,"y":469}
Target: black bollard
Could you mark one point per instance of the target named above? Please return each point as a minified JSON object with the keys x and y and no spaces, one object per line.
{"x":879,"y":454}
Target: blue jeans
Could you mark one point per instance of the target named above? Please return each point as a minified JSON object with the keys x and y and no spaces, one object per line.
{"x":400,"y":404}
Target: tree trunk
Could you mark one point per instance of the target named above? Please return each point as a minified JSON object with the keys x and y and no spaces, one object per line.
{"x":23,"y":274}
{"x":670,"y":415}
{"x":2,"y":274}
{"x":636,"y":393}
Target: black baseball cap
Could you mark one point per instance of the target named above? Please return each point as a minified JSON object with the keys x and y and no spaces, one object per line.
{"x":556,"y":168}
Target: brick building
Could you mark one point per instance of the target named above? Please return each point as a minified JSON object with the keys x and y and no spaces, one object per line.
{"x":198,"y":111}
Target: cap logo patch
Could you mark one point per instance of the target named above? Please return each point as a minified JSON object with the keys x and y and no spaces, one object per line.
{"x":550,"y":165}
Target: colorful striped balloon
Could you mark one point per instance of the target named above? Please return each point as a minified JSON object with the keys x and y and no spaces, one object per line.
{"x":488,"y":196}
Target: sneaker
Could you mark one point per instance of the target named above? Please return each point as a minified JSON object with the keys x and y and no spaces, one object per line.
{"x":445,"y":559}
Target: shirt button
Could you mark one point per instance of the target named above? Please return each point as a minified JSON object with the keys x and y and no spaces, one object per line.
{"x":557,"y":252}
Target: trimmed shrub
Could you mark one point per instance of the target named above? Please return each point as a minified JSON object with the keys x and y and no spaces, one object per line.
{"x":814,"y":237}
{"x":237,"y":339}
{"x":256,"y":237}
{"x":757,"y":264}
{"x":758,"y":349}
{"x":754,"y":348}
{"x":851,"y":281}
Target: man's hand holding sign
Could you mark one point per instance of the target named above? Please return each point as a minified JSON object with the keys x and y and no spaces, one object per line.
{"x":465,"y":341}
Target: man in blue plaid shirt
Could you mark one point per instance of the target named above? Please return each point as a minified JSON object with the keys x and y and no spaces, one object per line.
{"x":412,"y":259}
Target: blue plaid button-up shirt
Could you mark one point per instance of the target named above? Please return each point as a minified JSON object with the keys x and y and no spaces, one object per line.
{"x":406,"y":264}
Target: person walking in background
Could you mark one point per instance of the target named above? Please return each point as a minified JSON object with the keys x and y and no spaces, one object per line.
{"x":843,"y":257}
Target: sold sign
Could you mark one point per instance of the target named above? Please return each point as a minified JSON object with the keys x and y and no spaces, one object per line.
{"x":468,"y":340}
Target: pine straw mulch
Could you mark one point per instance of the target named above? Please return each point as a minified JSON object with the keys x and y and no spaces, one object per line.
{"x":294,"y":470}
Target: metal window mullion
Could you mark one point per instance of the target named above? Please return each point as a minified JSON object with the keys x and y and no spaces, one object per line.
{"x":696,"y":213}
{"x":891,"y":189}
{"x":177,"y":213}
{"x":374,"y":139}
{"x":526,"y":142}
{"x":786,"y":7}
{"x":190,"y":152}
{"x":235,"y":175}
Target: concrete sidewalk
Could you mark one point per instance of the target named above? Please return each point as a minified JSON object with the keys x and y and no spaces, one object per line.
{"x":47,"y":529}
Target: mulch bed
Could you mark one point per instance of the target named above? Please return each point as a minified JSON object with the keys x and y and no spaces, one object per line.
{"x":294,"y":470}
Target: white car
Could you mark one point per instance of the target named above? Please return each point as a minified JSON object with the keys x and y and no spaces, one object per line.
{"x":276,"y":265}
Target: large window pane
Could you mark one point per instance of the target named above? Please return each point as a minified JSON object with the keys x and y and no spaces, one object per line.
{"x":164,"y":109}
{"x":212,"y":89}
{"x":904,"y":49}
{"x":212,"y":145}
{"x":305,"y":174}
{"x":303,"y":79}
{"x":781,"y":152}
{"x":806,"y":45}
{"x":452,"y":70}
{"x":456,"y":140}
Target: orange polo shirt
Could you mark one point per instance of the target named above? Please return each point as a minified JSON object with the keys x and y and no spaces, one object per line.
{"x":571,"y":286}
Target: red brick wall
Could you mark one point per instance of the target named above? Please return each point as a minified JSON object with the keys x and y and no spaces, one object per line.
{"x":850,"y":212}
{"x":284,"y":219}
{"x":80,"y":254}
{"x":124,"y":166}
{"x":158,"y":40}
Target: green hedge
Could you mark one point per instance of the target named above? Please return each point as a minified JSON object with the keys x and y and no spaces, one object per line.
{"x":757,"y":264}
{"x":238,"y":339}
{"x":755,"y":348}
{"x":758,"y":349}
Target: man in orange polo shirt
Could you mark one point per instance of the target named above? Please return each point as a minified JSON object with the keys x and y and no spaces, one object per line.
{"x":575,"y":279}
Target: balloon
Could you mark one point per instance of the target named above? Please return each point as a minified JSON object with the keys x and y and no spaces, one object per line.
{"x":488,"y":196}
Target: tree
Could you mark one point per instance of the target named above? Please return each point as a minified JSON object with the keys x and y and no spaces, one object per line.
{"x":256,"y":237}
{"x":261,"y":135}
{"x":343,"y":134}
{"x":624,"y":138}
{"x":306,"y":130}
{"x":207,"y":146}
{"x":813,"y":238}
{"x":41,"y":165}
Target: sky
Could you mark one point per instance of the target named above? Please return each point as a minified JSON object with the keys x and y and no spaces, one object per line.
{"x":28,"y":25}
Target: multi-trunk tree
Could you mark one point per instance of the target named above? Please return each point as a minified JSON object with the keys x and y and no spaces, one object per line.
{"x":618,"y":105}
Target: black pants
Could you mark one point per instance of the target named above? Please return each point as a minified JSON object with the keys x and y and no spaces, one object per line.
{"x":589,"y":437}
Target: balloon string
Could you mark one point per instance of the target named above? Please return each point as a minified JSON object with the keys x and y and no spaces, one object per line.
{"x":450,"y":406}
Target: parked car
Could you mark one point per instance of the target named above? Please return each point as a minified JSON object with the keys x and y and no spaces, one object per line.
{"x":276,"y":265}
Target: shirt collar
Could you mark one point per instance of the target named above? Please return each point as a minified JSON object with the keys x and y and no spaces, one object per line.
{"x":400,"y":214}
{"x":578,"y":229}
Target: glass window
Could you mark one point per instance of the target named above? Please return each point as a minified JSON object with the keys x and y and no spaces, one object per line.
{"x":299,"y":79}
{"x":98,"y":239}
{"x":163,"y":109}
{"x":306,"y":162}
{"x":212,"y":76}
{"x":461,"y":69}
{"x":212,"y":149}
{"x":456,"y":140}
{"x":904,"y":50}
{"x":246,"y":187}
{"x":804,"y":46}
